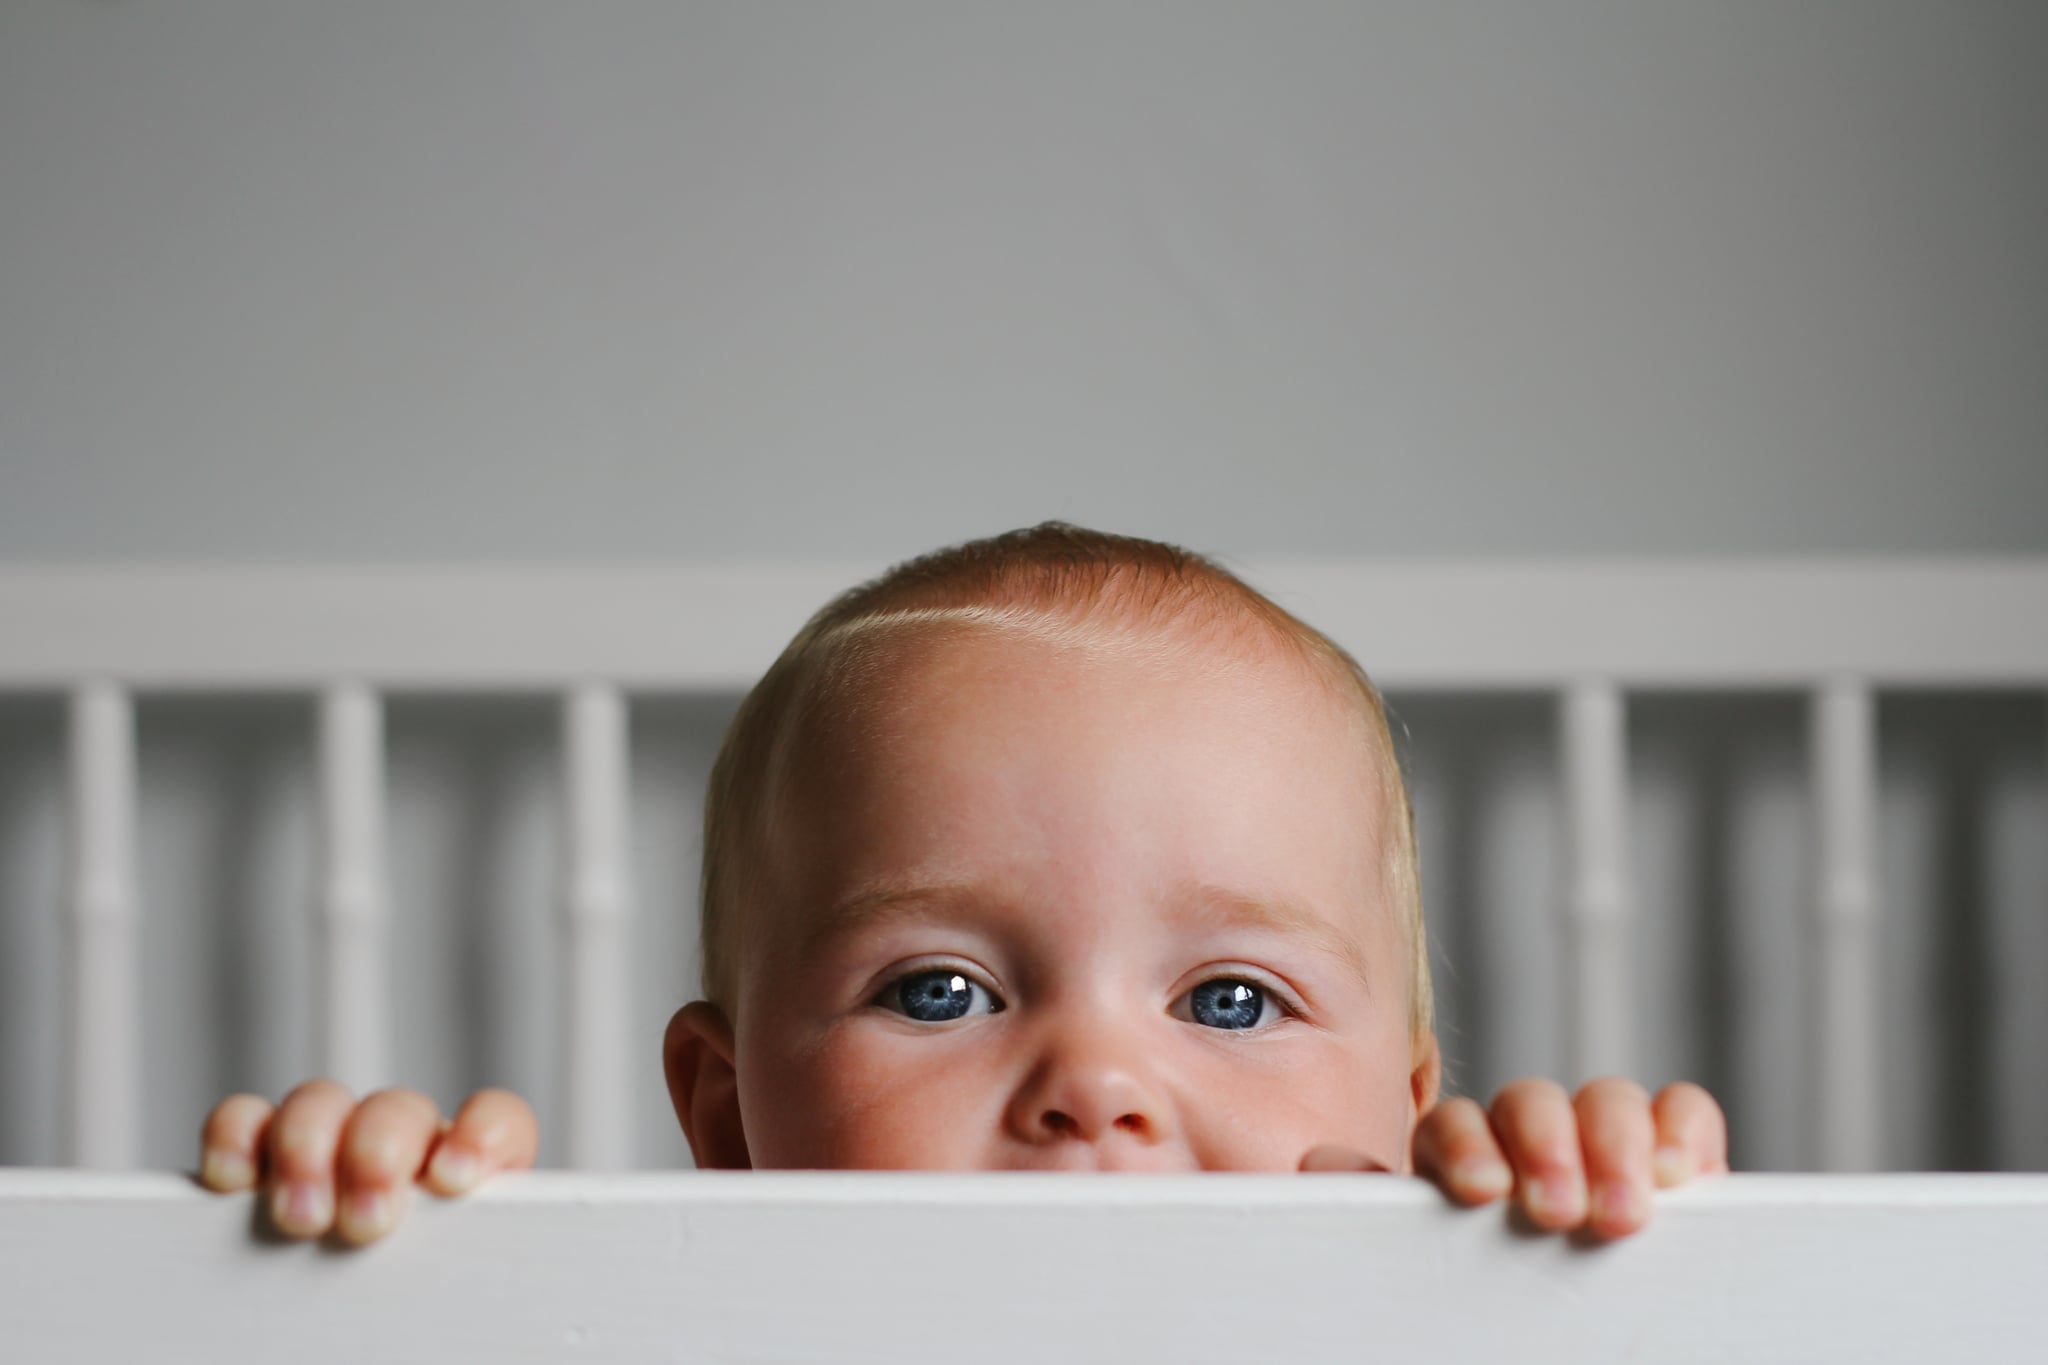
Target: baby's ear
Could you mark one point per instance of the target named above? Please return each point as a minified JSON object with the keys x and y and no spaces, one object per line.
{"x":697,"y":1054}
{"x":1426,"y":1082}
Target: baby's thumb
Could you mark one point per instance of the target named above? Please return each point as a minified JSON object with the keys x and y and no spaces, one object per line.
{"x":493,"y":1131}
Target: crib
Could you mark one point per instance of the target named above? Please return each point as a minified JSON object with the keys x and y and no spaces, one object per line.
{"x":602,"y":1264}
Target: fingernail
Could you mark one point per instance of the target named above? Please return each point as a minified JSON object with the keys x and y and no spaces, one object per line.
{"x":455,"y":1170}
{"x":1673,"y":1165}
{"x":302,"y":1210}
{"x":1557,"y":1199}
{"x":226,"y":1170}
{"x":1614,"y":1202}
{"x":368,"y":1215}
{"x":1485,"y":1176}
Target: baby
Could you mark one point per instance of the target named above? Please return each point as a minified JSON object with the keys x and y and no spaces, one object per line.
{"x":1054,"y":851}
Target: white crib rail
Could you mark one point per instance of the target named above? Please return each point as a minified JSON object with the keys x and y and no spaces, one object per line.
{"x":1417,"y":626}
{"x":860,"y":1268}
{"x":1587,"y":632}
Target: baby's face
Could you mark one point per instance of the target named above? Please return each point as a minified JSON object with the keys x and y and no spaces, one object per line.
{"x":1029,"y":906}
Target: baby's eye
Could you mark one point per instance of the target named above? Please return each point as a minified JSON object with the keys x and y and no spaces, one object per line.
{"x":937,"y":995}
{"x":1228,"y":1002}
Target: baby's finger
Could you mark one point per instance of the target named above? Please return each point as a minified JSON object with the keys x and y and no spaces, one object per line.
{"x":383,"y":1146}
{"x":1692,"y":1134}
{"x":1329,"y":1157}
{"x":495,"y":1130}
{"x":1616,"y":1133}
{"x":1455,"y":1147}
{"x":301,"y":1139}
{"x":1539,"y":1134}
{"x":231,"y":1143}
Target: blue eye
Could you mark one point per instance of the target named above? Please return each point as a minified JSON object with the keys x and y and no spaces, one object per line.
{"x":1227,"y":1002}
{"x":937,"y":996}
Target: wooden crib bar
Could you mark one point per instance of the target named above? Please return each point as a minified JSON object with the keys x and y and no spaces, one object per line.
{"x":598,"y":1055}
{"x":104,"y":1074}
{"x":1002,"y":1269}
{"x":1599,"y":971}
{"x":355,"y":909}
{"x":1847,"y":1040}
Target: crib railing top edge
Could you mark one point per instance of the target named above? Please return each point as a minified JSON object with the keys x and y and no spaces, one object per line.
{"x":1436,"y":625}
{"x":992,"y":1190}
{"x":1424,"y":625}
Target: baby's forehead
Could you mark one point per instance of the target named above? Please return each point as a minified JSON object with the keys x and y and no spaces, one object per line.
{"x":876,"y":680}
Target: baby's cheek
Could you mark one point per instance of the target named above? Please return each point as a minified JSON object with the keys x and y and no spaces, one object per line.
{"x":1266,"y":1117}
{"x":871,"y":1100}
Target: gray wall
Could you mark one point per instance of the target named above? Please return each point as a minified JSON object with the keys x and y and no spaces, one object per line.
{"x":479,"y":279}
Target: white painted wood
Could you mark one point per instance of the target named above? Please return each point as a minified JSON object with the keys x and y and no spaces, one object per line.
{"x":597,"y":1058}
{"x":354,"y":910}
{"x":1015,"y":1269}
{"x":1417,"y":624}
{"x":1598,"y":966}
{"x":1848,"y":1106}
{"x":103,"y":1071}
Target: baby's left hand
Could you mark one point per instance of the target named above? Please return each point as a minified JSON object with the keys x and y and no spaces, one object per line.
{"x":1550,"y":1149}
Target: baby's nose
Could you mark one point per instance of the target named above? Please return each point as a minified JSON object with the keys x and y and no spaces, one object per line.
{"x":1092,"y":1093}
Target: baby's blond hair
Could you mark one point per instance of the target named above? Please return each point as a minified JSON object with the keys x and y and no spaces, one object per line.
{"x":1055,"y":579}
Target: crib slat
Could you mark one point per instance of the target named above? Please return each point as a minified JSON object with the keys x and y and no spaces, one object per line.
{"x":1845,"y":1060}
{"x":597,"y":904}
{"x":104,"y":1072}
{"x":1594,"y":744}
{"x":354,"y":910}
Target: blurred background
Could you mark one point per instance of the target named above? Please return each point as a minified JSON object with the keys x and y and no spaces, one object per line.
{"x":486,"y":282}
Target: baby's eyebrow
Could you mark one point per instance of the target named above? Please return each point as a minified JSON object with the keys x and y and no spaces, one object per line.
{"x":881,"y":905}
{"x":1202,"y":906}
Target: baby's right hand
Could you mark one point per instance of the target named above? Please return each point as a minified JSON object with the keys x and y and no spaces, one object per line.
{"x":321,"y":1153}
